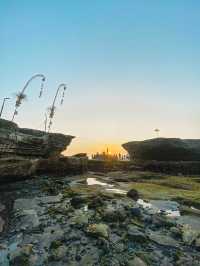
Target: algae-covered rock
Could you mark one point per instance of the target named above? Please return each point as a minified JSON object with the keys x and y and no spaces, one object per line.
{"x":80,"y":218}
{"x":59,"y":252}
{"x":98,"y":230}
{"x":135,"y":234}
{"x":136,"y":261}
{"x":188,"y":235}
{"x":163,"y":239}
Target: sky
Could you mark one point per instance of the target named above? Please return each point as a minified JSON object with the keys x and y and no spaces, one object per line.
{"x":131,"y":66}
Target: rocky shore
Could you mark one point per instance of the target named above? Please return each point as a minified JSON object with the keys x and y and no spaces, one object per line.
{"x":95,"y":219}
{"x":78,"y":212}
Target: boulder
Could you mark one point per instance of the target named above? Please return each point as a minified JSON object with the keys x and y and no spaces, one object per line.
{"x":78,"y":201}
{"x":133,"y":194}
{"x":98,"y":230}
{"x":164,"y":149}
{"x":136,"y":261}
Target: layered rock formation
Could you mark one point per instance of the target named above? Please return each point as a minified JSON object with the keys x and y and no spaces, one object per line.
{"x":12,"y":169}
{"x":27,"y":152}
{"x":30,"y":143}
{"x":164,"y":149}
{"x":17,"y":168}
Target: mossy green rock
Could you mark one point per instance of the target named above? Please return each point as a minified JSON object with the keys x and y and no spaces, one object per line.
{"x":98,"y":230}
{"x":136,"y":262}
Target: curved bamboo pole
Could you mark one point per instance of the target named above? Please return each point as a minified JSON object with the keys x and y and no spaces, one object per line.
{"x":3,"y":104}
{"x":21,"y":96}
{"x":53,"y":106}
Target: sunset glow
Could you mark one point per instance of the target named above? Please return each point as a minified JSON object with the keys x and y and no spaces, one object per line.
{"x":129,"y":66}
{"x":92,"y":148}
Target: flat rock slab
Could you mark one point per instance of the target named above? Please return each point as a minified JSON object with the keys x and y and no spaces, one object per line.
{"x":162,"y":239}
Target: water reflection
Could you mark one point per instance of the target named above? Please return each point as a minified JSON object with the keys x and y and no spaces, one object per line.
{"x":167,"y":207}
{"x":93,"y":181}
{"x":116,"y":190}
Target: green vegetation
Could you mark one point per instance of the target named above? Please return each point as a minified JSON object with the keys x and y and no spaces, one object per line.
{"x":156,"y":186}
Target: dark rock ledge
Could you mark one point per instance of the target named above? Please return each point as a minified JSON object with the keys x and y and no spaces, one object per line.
{"x":167,"y":155}
{"x":30,"y":143}
{"x":28,"y":152}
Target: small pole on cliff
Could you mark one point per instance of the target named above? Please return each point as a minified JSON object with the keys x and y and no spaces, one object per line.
{"x":3,"y":104}
{"x":22,"y":96}
{"x":157,"y":132}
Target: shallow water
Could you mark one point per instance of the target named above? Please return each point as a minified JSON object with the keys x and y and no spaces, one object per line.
{"x":116,"y":190}
{"x":108,"y":187}
{"x":4,"y":261}
{"x":93,"y":181}
{"x":167,"y":207}
{"x":193,"y":221}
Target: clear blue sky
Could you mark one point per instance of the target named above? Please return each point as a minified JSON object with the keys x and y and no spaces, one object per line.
{"x":131,"y":66}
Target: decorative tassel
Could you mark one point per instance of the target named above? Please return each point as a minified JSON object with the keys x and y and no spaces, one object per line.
{"x":41,"y":89}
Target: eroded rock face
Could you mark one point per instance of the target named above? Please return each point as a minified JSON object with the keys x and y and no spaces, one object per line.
{"x":29,"y":142}
{"x":17,"y":168}
{"x":164,"y":149}
{"x":63,"y":165}
{"x":27,"y":152}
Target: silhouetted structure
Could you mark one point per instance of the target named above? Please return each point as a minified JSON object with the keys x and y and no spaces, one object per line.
{"x":107,"y":156}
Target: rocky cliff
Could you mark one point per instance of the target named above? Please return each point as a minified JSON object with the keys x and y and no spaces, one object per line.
{"x":30,"y":143}
{"x":164,"y":149}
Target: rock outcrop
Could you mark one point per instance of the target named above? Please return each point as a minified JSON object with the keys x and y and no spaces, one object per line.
{"x":12,"y":169}
{"x":62,"y":166}
{"x":164,"y":149}
{"x":27,"y":152}
{"x":17,"y":168}
{"x":30,"y":143}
